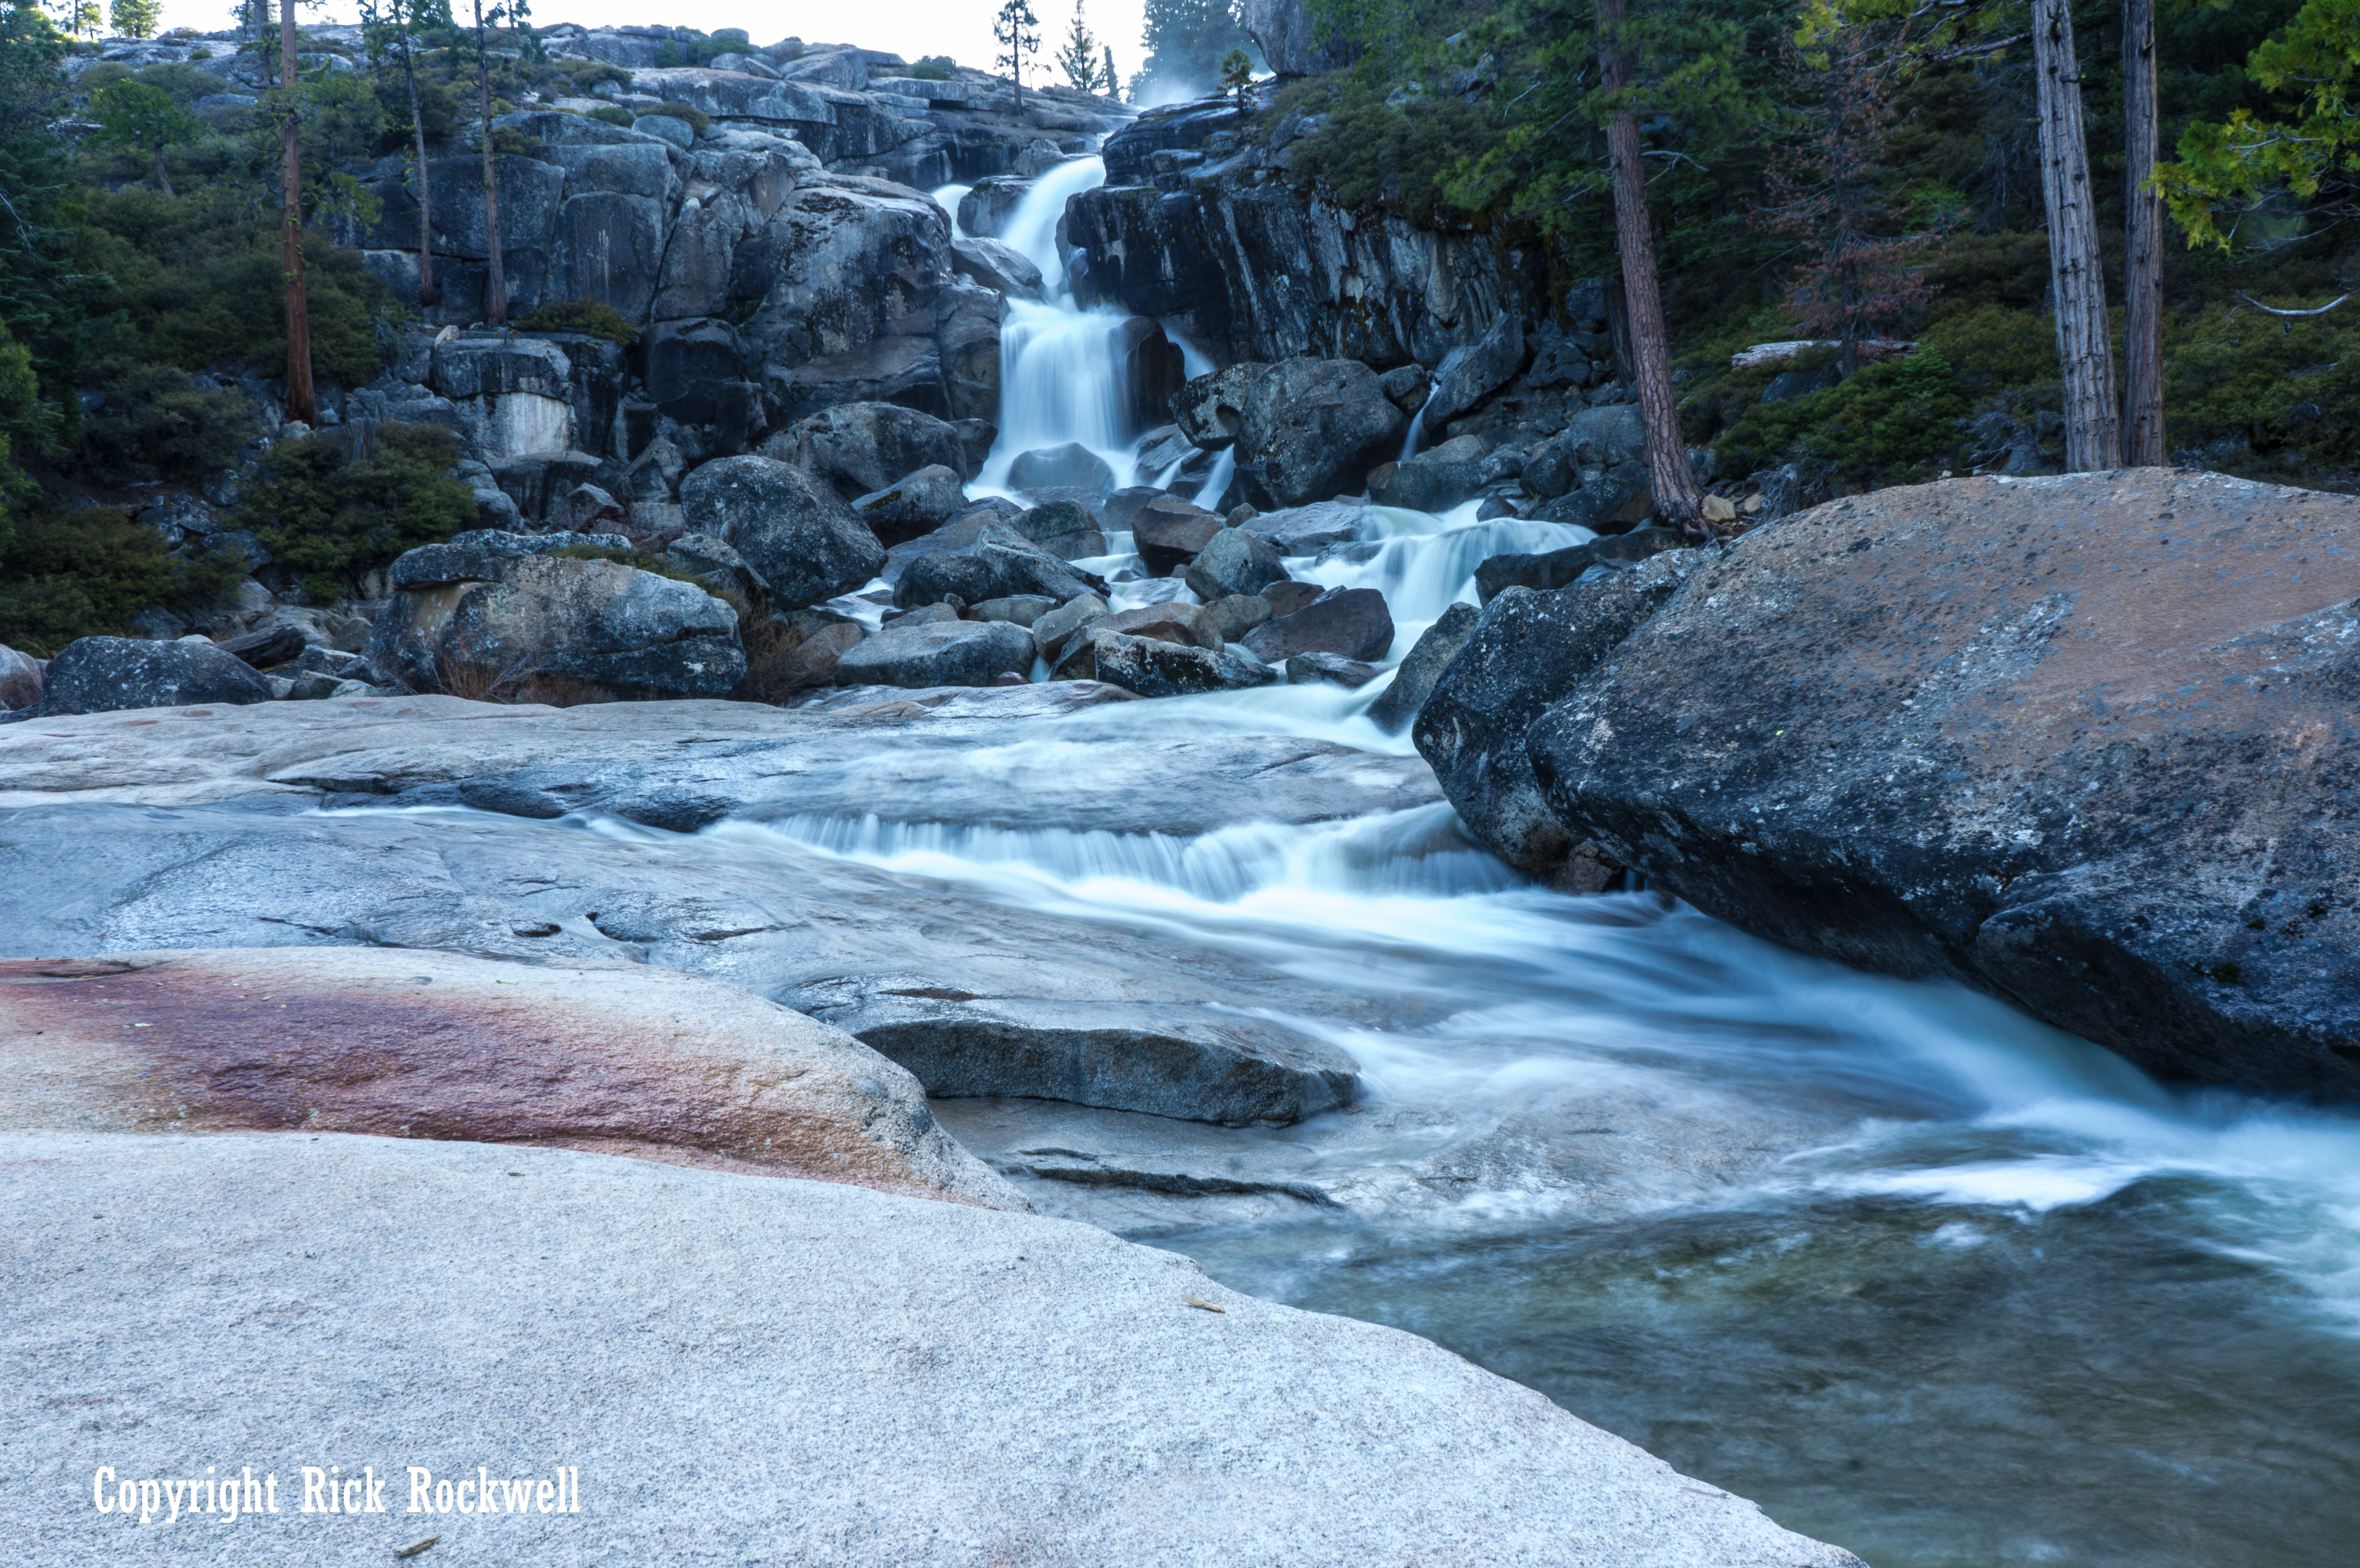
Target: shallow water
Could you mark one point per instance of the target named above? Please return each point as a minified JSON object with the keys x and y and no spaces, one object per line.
{"x":1920,"y":1275}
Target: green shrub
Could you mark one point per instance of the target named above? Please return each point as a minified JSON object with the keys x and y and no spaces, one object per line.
{"x":668,"y":53}
{"x":613,"y":115}
{"x":698,"y":120}
{"x":1374,"y":154}
{"x":335,"y":517}
{"x":159,"y":423}
{"x":2287,"y":389}
{"x":74,"y":574}
{"x":1996,"y":348}
{"x":934,"y":68}
{"x":586,"y":76}
{"x":592,"y":316}
{"x":1885,"y":424}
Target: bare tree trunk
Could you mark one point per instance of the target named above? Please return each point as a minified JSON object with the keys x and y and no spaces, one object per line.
{"x":2084,"y":340}
{"x":2143,"y":445}
{"x":163,"y":181}
{"x":496,"y":286}
{"x":427,"y":293}
{"x":301,"y":403}
{"x":1678,"y":499}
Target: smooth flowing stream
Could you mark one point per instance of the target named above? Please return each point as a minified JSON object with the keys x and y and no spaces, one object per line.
{"x":1923,"y":1277}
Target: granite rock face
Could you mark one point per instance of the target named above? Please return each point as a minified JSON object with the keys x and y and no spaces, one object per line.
{"x":890,"y":1395}
{"x":606,"y":1056}
{"x":2086,"y":740}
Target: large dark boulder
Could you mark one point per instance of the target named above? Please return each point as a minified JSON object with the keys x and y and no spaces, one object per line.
{"x":1071,"y":466}
{"x":1526,"y":652}
{"x":599,"y":621}
{"x":2089,"y":742}
{"x":1291,"y":42}
{"x":1438,"y":480}
{"x":803,"y":539}
{"x":105,"y":674}
{"x":1353,"y":622}
{"x":1235,"y":561}
{"x":1169,"y":532}
{"x":1314,"y":428}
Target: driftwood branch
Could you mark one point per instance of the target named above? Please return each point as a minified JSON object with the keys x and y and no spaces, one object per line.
{"x":2273,"y":310}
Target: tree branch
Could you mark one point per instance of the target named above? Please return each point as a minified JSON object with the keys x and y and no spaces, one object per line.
{"x":2272,"y":310}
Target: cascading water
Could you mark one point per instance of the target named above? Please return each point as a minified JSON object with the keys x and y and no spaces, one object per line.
{"x":1921,"y":1276}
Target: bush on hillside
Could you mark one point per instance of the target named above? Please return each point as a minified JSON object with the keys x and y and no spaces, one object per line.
{"x":334,"y":516}
{"x":74,"y":574}
{"x":593,"y":317}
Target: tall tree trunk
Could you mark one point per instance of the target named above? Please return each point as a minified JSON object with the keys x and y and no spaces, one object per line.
{"x":163,"y":181}
{"x":2084,"y":340}
{"x":427,"y":293}
{"x":300,"y":404}
{"x":496,"y":286}
{"x":1678,"y":499}
{"x":2142,"y":282}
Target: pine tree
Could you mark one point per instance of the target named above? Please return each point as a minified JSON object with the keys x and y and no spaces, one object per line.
{"x":2084,"y":339}
{"x":500,"y":14}
{"x":1079,"y":59}
{"x":135,"y":18}
{"x":1184,"y":41}
{"x":1109,"y":84}
{"x":135,"y":116}
{"x":1236,"y":74}
{"x":300,"y":401}
{"x":1017,"y":32}
{"x":396,"y":26}
{"x":1829,"y":184}
{"x":2142,"y":444}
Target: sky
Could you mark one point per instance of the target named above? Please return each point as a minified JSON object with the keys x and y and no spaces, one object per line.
{"x":960,"y":29}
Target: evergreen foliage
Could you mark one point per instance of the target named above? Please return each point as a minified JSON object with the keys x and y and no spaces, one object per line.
{"x":594,"y":317}
{"x":135,"y":18}
{"x":1186,"y":41}
{"x":333,"y":517}
{"x":1079,"y":57}
{"x":1018,"y":31}
{"x":67,"y":574}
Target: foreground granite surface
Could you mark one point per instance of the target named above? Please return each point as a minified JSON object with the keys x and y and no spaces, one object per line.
{"x":745,"y":1369}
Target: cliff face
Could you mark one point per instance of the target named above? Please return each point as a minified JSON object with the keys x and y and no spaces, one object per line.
{"x":1197,"y":229}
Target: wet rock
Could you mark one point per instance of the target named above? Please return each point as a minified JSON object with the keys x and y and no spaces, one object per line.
{"x":805,"y":542}
{"x":618,"y":1058}
{"x":1163,"y":1062}
{"x":105,"y":674}
{"x":20,"y":680}
{"x":1239,"y":613}
{"x":861,"y":448}
{"x":2072,"y":739}
{"x":1072,"y":464}
{"x":1307,"y":530}
{"x":1352,"y":622}
{"x":1240,"y":670}
{"x":944,"y":653}
{"x":984,"y":208}
{"x":1331,"y":668}
{"x":1472,"y":372}
{"x":917,"y":504}
{"x":998,"y":266}
{"x":1117,"y":511}
{"x":1408,"y":386}
{"x":1168,"y":532}
{"x":1314,"y":428}
{"x":1434,"y":480}
{"x":1561,"y":568}
{"x":1209,"y":411}
{"x":1414,"y":681}
{"x":1234,"y":561}
{"x":1610,"y":502}
{"x":1526,"y":652}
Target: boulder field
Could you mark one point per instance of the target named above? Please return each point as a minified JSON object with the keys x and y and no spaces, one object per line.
{"x":733,"y":1366}
{"x":2086,"y":740}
